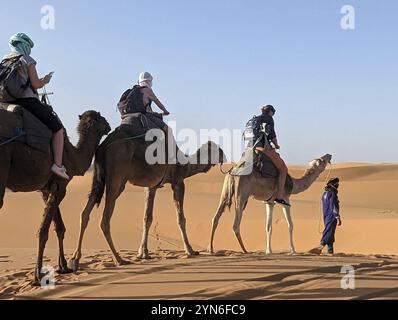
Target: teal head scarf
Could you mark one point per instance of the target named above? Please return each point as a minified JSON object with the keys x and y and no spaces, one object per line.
{"x":20,"y":43}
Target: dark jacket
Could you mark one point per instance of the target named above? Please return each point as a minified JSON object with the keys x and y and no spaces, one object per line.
{"x":268,"y":123}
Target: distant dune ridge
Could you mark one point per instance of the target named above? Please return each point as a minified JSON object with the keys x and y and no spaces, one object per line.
{"x":369,"y":206}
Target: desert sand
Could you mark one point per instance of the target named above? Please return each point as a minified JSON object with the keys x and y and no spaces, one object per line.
{"x":367,"y":241}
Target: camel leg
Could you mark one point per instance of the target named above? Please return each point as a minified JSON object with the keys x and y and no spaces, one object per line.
{"x":238,"y":219}
{"x":60,"y":230}
{"x":220,"y":210}
{"x":2,"y":192}
{"x":178,"y":193}
{"x":113,"y":190}
{"x":269,"y":211}
{"x":84,"y":219}
{"x":150,"y":194}
{"x":216,"y":219}
{"x":52,"y":205}
{"x":4,"y":171}
{"x":288,"y":217}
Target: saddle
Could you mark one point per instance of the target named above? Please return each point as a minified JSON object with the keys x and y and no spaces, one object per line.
{"x":253,"y":161}
{"x":133,"y":127}
{"x":18,"y":124}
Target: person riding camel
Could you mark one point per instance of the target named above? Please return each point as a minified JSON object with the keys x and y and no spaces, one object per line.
{"x":137,"y":101}
{"x":21,"y":46}
{"x":264,"y":145}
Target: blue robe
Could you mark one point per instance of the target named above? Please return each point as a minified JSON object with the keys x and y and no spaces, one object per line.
{"x":331,"y":210}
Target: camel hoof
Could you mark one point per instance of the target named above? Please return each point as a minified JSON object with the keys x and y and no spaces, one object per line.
{"x":193,"y":254}
{"x":123,"y":263}
{"x":35,"y":283}
{"x":144,"y":256}
{"x":74,"y":265}
{"x":268,"y":253}
{"x":64,"y":270}
{"x":210,"y":251}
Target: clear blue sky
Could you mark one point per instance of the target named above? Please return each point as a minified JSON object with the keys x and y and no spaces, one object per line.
{"x":216,"y":62}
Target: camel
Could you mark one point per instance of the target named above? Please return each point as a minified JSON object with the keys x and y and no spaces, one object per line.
{"x":241,"y":188}
{"x":23,"y":169}
{"x":122,"y":161}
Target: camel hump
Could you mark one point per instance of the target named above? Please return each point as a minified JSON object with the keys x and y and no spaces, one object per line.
{"x":252,"y":161}
{"x":17,"y":121}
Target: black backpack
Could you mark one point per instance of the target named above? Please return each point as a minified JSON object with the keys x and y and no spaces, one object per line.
{"x":253,"y":129}
{"x":134,"y":99}
{"x":12,"y":86}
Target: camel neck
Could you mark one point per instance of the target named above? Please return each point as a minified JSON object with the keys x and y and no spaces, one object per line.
{"x":79,"y":158}
{"x":190,"y":170}
{"x":309,"y":177}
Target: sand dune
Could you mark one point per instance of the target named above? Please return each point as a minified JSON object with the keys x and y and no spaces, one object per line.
{"x":369,"y":209}
{"x":227,"y":275}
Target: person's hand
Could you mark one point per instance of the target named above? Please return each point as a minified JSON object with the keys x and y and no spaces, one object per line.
{"x":47,"y":78}
{"x":339,"y":222}
{"x":166,"y":113}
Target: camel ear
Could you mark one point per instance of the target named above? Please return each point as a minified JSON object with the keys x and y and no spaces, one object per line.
{"x":80,"y":117}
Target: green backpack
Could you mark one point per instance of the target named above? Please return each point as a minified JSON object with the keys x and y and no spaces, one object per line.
{"x":12,"y":86}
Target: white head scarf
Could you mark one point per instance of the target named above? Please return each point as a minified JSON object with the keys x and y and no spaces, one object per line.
{"x":145,"y":79}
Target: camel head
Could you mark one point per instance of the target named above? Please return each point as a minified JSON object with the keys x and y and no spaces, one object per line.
{"x":321,"y":162}
{"x":92,"y":120}
{"x":215,"y":153}
{"x":210,"y":154}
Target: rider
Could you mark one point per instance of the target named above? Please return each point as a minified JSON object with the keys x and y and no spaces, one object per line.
{"x":264,"y":146}
{"x":138,"y":101}
{"x":21,"y":45}
{"x":128,"y":104}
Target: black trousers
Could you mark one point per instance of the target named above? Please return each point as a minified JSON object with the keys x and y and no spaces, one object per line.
{"x":42,"y":112}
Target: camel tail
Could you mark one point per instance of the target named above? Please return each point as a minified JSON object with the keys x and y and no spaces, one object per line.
{"x":98,"y":184}
{"x":229,"y":190}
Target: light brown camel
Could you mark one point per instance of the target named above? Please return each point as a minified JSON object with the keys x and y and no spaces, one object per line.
{"x":240,"y":188}
{"x":120,"y":160}
{"x":23,"y":169}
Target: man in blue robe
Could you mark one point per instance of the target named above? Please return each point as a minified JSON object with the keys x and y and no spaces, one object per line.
{"x":331,"y":216}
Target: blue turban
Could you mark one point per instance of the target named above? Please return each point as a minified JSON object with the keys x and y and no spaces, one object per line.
{"x":20,"y":43}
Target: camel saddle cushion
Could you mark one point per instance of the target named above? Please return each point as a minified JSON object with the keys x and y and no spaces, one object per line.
{"x":255,"y":161}
{"x":16,"y":121}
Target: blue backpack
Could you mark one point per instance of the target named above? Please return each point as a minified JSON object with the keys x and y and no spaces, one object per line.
{"x":253,"y":129}
{"x":11,"y":84}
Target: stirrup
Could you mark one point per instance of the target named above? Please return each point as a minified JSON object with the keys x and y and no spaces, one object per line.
{"x":283,"y":202}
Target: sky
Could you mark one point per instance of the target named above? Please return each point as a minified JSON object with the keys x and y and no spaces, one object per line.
{"x":215,"y":63}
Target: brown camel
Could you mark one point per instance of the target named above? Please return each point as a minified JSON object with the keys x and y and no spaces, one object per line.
{"x":122,"y":161}
{"x":241,"y":188}
{"x":23,"y":169}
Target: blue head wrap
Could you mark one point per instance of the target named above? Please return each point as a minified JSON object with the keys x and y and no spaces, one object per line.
{"x":20,"y":43}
